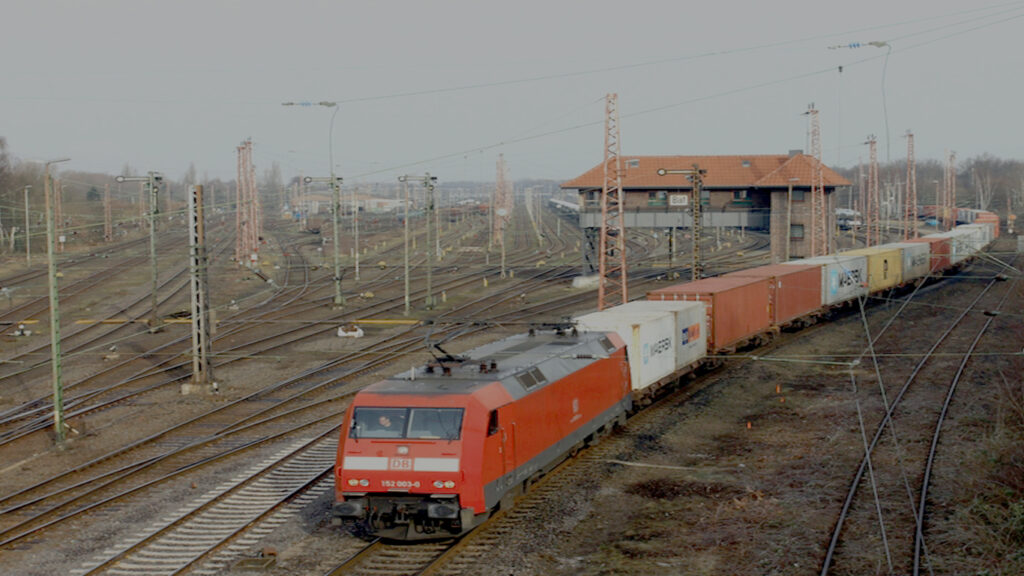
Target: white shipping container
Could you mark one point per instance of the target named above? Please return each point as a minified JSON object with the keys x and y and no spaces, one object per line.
{"x":843,"y":278}
{"x":963,"y":243}
{"x":691,"y":339}
{"x":984,"y":231}
{"x":916,"y":259}
{"x":648,"y":336}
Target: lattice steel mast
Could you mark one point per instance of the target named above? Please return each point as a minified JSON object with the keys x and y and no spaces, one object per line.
{"x":871,"y":216}
{"x":949,"y":204}
{"x":910,"y":203}
{"x":247,"y":215}
{"x":819,"y":203}
{"x":612,"y":287}
{"x":502,"y":207}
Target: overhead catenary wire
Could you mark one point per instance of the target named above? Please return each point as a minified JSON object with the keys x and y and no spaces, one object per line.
{"x":677,"y":104}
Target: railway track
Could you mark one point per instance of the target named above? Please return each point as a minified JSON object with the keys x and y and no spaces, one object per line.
{"x":275,"y":414}
{"x":113,"y":477}
{"x":885,"y":524}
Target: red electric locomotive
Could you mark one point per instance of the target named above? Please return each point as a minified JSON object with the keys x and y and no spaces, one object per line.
{"x":434,"y":451}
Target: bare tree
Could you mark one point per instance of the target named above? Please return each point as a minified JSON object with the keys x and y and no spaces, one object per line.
{"x":189,"y":178}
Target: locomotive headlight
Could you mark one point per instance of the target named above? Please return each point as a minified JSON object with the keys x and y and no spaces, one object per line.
{"x":402,"y":450}
{"x":438,"y":484}
{"x":353,"y":482}
{"x":449,"y":484}
{"x":364,"y":482}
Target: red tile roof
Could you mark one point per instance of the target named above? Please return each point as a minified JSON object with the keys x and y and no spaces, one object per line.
{"x":756,"y":171}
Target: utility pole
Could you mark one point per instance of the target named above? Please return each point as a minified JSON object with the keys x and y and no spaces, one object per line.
{"x":696,"y":176}
{"x":51,"y":265}
{"x":108,"y":225}
{"x":58,"y":212}
{"x":355,"y":224}
{"x":428,"y":182}
{"x":335,"y":183}
{"x":405,"y":186}
{"x":202,"y":373}
{"x":150,"y":180}
{"x":950,"y":203}
{"x":28,"y":235}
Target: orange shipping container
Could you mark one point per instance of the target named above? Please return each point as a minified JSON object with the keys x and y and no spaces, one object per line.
{"x":737,"y":308}
{"x":795,"y":290}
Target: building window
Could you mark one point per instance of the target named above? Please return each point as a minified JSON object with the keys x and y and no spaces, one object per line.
{"x":739,"y":195}
{"x":657,"y":198}
{"x":798,"y":196}
{"x":796,"y":231}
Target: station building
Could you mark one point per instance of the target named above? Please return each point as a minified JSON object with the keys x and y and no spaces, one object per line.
{"x":770,"y":193}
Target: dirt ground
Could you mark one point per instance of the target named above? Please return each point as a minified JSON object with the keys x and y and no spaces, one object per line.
{"x":743,"y":472}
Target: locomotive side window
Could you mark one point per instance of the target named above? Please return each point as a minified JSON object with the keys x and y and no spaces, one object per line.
{"x":445,"y":423}
{"x":492,"y":423}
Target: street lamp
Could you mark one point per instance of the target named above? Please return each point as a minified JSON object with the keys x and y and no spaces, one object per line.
{"x":697,"y":177}
{"x":58,"y":388}
{"x":338,"y":301}
{"x":151,"y":180}
{"x":885,"y":68}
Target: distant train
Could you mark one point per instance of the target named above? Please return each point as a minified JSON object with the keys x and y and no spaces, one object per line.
{"x":434,"y":451}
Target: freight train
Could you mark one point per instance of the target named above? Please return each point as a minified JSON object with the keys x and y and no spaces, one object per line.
{"x":434,"y":451}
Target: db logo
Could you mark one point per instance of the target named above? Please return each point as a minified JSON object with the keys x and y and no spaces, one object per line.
{"x":400,"y":464}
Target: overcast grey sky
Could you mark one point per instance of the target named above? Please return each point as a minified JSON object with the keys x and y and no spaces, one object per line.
{"x":160,"y":84}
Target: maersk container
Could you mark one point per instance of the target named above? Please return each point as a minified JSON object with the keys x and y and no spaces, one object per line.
{"x":737,"y":308}
{"x":885,"y":266}
{"x":843,"y":277}
{"x":916,"y":260}
{"x":691,"y":336}
{"x":938,"y":250}
{"x":648,"y":336}
{"x":795,"y":290}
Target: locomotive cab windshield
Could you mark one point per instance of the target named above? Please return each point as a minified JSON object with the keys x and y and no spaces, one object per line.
{"x":406,"y":423}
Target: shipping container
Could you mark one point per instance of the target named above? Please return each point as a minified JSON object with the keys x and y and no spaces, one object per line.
{"x":938,"y":250}
{"x":966,"y":215}
{"x":843,"y":277}
{"x":963,"y":244}
{"x":916,"y":259}
{"x":737,"y":308}
{"x":648,"y":337}
{"x":691,"y":338}
{"x":795,"y":290}
{"x":989,"y":218}
{"x":885,"y":267}
{"x":984,"y":233}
